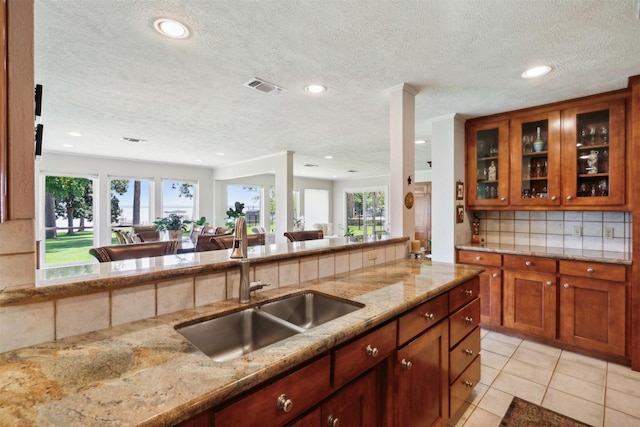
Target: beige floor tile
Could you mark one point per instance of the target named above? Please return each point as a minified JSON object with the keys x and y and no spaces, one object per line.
{"x":483,"y":332}
{"x":625,"y":371}
{"x":577,"y":387}
{"x":541,"y":348}
{"x":613,"y":418}
{"x":625,"y":384}
{"x":495,"y":401}
{"x":536,"y":358}
{"x":623,"y":402}
{"x":584,"y":360}
{"x":574,"y":407}
{"x":488,"y":375}
{"x":578,"y":370}
{"x":477,"y":393}
{"x":493,"y":360}
{"x":516,"y":386}
{"x":498,"y":347}
{"x":482,"y":418}
{"x":504,"y":338}
{"x":528,"y":371}
{"x":460,"y":417}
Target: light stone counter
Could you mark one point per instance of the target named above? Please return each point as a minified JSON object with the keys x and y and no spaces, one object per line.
{"x":623,"y":258}
{"x":145,"y":373}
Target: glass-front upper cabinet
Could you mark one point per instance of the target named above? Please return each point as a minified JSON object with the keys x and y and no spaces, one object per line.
{"x":488,"y":164}
{"x":535,"y":160}
{"x":594,"y":155}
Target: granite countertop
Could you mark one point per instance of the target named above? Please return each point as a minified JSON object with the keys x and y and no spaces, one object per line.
{"x":145,"y":373}
{"x":623,"y":258}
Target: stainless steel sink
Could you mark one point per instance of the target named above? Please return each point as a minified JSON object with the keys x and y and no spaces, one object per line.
{"x":229,"y":336}
{"x":232,"y":335}
{"x":310,"y":309}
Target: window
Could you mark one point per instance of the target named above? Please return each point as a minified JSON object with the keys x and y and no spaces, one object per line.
{"x":272,"y":205}
{"x":131,"y":201}
{"x":178,"y":197}
{"x":251,"y":196}
{"x":366,"y":213}
{"x":316,"y":207}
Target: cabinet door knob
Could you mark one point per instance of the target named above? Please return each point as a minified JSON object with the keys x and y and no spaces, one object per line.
{"x":468,"y":384}
{"x":406,"y":364}
{"x":468,"y":292}
{"x":285,"y":403}
{"x":502,"y":199}
{"x":589,"y":270}
{"x":469,"y":320}
{"x":566,"y":286}
{"x":569,"y":197}
{"x":478,"y":258}
{"x":372,"y":351}
{"x":428,"y":316}
{"x":333,"y":421}
{"x":553,"y":198}
{"x":549,"y":283}
{"x":495,"y":275}
{"x":527,"y":263}
{"x":468,"y":352}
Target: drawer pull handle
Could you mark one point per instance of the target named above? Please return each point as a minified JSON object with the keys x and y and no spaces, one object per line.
{"x":495,"y":275}
{"x":468,"y":384}
{"x":589,"y":270}
{"x":372,"y":351}
{"x":566,"y":286}
{"x":333,"y":421}
{"x":469,"y":320}
{"x":527,"y":263}
{"x":554,"y":198}
{"x":478,"y":258}
{"x":406,"y":364}
{"x":428,"y":316}
{"x":285,"y":403}
{"x":502,"y":199}
{"x":468,"y":352}
{"x":569,"y":197}
{"x":549,"y":283}
{"x":468,"y":292}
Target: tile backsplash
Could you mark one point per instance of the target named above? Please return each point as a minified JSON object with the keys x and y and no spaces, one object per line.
{"x":557,"y":229}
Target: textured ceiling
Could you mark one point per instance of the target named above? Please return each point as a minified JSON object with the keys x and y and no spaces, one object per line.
{"x":107,"y":74}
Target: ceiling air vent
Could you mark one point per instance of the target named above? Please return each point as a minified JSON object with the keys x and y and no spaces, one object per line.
{"x":134,"y":140}
{"x":352,"y":171}
{"x":262,"y":86}
{"x":309,"y":165}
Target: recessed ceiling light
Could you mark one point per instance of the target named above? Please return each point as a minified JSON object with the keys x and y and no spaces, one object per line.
{"x":315,"y":89}
{"x":171,"y":28}
{"x":198,"y":160}
{"x":421,"y":141}
{"x":220,"y":154}
{"x":68,"y":145}
{"x":536,"y":72}
{"x":75,"y":134}
{"x":328,"y":157}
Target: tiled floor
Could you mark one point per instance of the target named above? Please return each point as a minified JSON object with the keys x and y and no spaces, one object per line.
{"x":593,"y":391}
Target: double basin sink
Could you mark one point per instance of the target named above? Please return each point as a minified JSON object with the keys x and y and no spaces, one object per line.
{"x":231,"y":335}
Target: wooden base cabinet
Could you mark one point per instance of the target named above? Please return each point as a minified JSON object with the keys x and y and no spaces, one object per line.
{"x":490,"y":283}
{"x":421,"y":374}
{"x":530,"y":302}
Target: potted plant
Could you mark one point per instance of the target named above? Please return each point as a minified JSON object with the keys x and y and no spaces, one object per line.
{"x":233,"y":214}
{"x":175,"y":225}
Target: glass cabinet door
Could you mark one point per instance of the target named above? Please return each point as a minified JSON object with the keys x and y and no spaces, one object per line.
{"x":488,"y":167}
{"x":594,"y":155}
{"x":535,"y":160}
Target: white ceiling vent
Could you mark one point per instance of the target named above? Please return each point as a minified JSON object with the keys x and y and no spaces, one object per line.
{"x":262,"y":86}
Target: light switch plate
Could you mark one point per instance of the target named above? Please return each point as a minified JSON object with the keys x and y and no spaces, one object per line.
{"x":577,"y":231}
{"x":608,"y":232}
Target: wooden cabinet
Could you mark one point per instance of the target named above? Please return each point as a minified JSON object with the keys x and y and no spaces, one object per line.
{"x":535,"y":166}
{"x":490,"y":282}
{"x":593,"y":156}
{"x":421,"y":390}
{"x":354,"y":405}
{"x":592,"y":310}
{"x":488,"y":163}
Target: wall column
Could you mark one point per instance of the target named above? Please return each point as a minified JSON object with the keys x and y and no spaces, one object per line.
{"x":447,"y":148}
{"x":402,"y":158}
{"x":284,"y":195}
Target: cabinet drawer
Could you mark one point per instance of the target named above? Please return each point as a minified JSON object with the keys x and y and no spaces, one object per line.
{"x":304,"y":387}
{"x":363,"y":353}
{"x":594,"y":270}
{"x":462,"y":294}
{"x":422,"y":318}
{"x":463,"y":321}
{"x":463,"y":354}
{"x":480,"y":258}
{"x":463,"y":386}
{"x":532,"y":263}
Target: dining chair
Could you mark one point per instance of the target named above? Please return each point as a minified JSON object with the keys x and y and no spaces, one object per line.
{"x":299,"y":236}
{"x":134,"y":250}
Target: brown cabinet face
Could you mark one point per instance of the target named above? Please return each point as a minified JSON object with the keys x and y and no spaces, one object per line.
{"x":593,"y":313}
{"x":530,"y":302}
{"x":491,"y":296}
{"x":355,"y":405}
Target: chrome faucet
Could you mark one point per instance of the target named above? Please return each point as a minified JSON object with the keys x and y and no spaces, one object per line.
{"x":240,"y":244}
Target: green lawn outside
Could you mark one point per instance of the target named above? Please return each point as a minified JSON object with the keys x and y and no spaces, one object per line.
{"x":70,"y":249}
